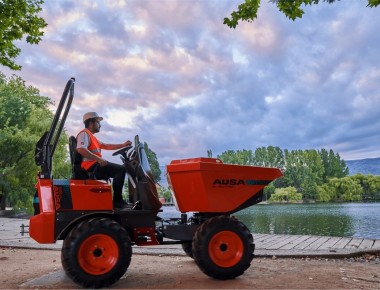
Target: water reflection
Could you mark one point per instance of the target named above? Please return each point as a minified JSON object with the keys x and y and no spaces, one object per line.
{"x":343,"y":220}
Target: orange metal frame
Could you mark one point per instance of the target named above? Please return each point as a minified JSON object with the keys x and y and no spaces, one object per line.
{"x":41,"y":226}
{"x":84,"y":195}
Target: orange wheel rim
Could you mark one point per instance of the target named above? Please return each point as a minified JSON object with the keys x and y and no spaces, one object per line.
{"x":226,"y":249}
{"x":98,"y":254}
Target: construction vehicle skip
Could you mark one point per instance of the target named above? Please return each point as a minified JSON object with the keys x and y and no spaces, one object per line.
{"x":98,"y":239}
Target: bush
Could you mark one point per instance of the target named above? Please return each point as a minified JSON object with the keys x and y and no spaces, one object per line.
{"x":325,"y":193}
{"x":288,"y":194}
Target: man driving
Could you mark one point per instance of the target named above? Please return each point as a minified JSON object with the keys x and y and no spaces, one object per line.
{"x":90,"y":149}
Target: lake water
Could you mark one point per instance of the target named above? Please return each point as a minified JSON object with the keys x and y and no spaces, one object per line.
{"x":333,"y":219}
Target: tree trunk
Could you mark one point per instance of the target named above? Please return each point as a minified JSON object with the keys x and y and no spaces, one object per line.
{"x":2,"y":201}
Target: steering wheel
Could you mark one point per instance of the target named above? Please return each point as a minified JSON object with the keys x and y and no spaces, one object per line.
{"x":123,"y":151}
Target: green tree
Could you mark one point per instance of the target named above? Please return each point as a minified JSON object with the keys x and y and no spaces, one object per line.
{"x":309,"y":187}
{"x":292,"y":9}
{"x":312,"y":174}
{"x":153,"y":162}
{"x":370,"y":185}
{"x":287,"y":194}
{"x":19,"y":19}
{"x":24,"y":117}
{"x":325,"y":193}
{"x":269,"y":157}
{"x":324,"y":154}
{"x":269,"y":190}
{"x":372,"y":191}
{"x":241,"y":157}
{"x":333,"y":165}
{"x":345,"y":189}
{"x":294,"y":168}
{"x":308,"y":169}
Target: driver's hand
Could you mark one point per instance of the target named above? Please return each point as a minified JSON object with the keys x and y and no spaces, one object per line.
{"x":127,"y":143}
{"x":102,"y":162}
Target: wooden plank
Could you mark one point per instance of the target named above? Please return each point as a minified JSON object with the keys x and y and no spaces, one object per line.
{"x":262,"y":237}
{"x":341,"y":243}
{"x":366,"y":244}
{"x":330,"y":243}
{"x":273,"y":240}
{"x":317,"y":243}
{"x":268,"y":240}
{"x":294,"y":243}
{"x":258,"y":236}
{"x":282,"y":242}
{"x":306,"y":243}
{"x":376,"y":245}
{"x":354,"y":243}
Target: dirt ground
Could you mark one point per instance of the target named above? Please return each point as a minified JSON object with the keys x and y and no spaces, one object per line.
{"x":25,"y":268}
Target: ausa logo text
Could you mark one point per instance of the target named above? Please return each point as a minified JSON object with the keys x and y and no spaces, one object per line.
{"x":233,"y":182}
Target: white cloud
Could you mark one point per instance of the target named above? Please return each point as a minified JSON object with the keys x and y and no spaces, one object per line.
{"x":271,"y":99}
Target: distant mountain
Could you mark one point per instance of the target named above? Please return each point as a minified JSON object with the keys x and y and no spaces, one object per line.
{"x":364,"y":166}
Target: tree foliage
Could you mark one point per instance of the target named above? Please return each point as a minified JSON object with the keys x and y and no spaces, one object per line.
{"x":340,"y":189}
{"x":292,"y":9}
{"x":24,"y":117}
{"x":19,"y":19}
{"x":286,"y":194}
{"x":165,"y":193}
{"x":297,"y":165}
{"x":153,"y":162}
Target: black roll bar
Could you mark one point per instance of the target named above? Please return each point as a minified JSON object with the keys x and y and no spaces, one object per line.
{"x":50,"y":144}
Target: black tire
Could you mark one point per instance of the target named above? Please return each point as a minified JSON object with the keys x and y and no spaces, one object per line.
{"x":223,"y":247}
{"x":96,"y":253}
{"x":188,"y":249}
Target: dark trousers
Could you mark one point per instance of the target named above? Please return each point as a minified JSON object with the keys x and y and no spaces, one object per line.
{"x":111,"y":170}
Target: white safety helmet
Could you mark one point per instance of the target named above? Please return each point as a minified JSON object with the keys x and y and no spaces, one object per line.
{"x":91,"y":115}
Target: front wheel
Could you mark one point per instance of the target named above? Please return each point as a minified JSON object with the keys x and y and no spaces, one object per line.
{"x":223,"y":247}
{"x":96,"y":253}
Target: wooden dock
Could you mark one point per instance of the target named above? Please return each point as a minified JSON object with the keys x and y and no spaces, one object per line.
{"x":304,"y":245}
{"x":288,"y":242}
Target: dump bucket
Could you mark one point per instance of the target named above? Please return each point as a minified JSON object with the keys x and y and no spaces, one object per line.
{"x":209,"y":185}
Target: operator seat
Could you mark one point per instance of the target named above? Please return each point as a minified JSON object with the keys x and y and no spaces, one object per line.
{"x":76,"y":171}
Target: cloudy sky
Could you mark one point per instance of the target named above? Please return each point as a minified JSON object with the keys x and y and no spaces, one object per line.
{"x":171,"y":72}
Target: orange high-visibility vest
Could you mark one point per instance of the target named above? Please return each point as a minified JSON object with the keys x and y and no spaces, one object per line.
{"x":94,"y":147}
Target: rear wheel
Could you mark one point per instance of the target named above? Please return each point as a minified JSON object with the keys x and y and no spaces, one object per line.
{"x":96,"y":253}
{"x":223,"y":247}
